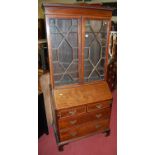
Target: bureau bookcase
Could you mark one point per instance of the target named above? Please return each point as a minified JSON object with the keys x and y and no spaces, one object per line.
{"x":77,"y":37}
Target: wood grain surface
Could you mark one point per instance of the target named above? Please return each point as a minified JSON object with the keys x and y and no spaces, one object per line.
{"x":82,"y":108}
{"x":71,"y":111}
{"x":85,"y":129}
{"x":80,"y":95}
{"x":84,"y":118}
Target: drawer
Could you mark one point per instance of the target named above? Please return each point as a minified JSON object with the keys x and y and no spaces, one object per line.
{"x":100,"y":105}
{"x":84,"y":129}
{"x":71,"y":112}
{"x":84,"y":118}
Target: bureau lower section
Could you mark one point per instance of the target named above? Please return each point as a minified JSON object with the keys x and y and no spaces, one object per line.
{"x":77,"y":122}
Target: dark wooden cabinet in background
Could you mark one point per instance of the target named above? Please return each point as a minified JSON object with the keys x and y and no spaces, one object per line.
{"x":77,"y":37}
{"x":42,"y":122}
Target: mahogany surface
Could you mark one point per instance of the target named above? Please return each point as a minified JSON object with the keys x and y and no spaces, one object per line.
{"x":84,"y":118}
{"x":99,"y":105}
{"x":82,"y":94}
{"x":83,"y":108}
{"x":85,"y":129}
{"x":71,"y":111}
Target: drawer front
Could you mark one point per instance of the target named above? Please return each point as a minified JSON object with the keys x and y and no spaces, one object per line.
{"x":85,"y":129}
{"x":84,"y":118}
{"x":100,"y":105}
{"x":71,"y":112}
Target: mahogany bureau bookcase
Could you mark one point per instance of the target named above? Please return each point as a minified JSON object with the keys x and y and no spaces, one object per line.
{"x":77,"y":37}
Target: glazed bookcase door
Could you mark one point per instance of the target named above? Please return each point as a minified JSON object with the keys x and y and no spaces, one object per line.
{"x":95,"y":46}
{"x":65,"y":50}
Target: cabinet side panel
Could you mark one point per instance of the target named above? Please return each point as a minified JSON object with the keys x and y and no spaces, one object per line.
{"x":49,"y":51}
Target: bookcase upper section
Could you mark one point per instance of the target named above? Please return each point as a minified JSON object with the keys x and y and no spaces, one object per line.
{"x":77,"y":37}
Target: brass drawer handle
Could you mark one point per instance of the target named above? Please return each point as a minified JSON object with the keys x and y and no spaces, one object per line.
{"x":72,"y":112}
{"x":73,"y":122}
{"x":73,"y":134}
{"x":97,"y":126}
{"x":99,"y":106}
{"x":98,"y":115}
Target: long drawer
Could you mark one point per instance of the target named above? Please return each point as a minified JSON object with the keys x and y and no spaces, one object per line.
{"x":86,"y":117}
{"x":84,"y":129}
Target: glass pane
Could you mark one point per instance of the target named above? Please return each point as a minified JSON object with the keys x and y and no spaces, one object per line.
{"x":64,"y":40}
{"x":65,"y":54}
{"x":95,"y":49}
{"x":86,"y":53}
{"x":72,"y":38}
{"x":89,"y":37}
{"x":64,"y":24}
{"x":95,"y":52}
{"x":58,"y":68}
{"x":87,"y":68}
{"x":75,"y":53}
{"x":56,"y":40}
{"x":54,"y":55}
{"x":74,"y":28}
{"x":100,"y":67}
{"x":94,"y":75}
{"x":95,"y":25}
